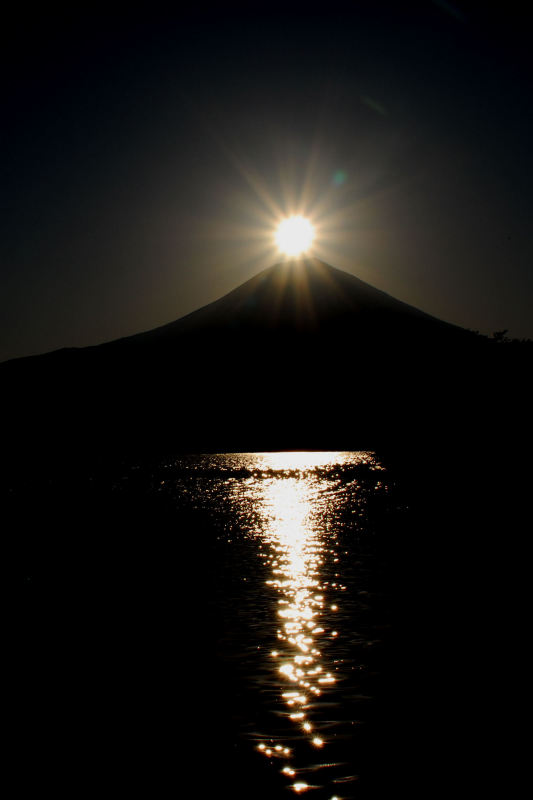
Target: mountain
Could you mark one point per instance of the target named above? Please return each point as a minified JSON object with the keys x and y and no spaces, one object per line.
{"x":301,"y":355}
{"x":304,"y":294}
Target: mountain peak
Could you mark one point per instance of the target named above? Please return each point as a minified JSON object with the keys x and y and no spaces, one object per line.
{"x":302,"y":294}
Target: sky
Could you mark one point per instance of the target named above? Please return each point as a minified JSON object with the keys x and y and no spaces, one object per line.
{"x":148,"y":154}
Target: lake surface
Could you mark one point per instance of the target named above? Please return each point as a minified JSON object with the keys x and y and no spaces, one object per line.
{"x":267,"y":625}
{"x":216,"y":621}
{"x":303,"y":622}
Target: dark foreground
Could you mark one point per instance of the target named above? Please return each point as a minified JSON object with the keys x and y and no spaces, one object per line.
{"x":133,"y":635}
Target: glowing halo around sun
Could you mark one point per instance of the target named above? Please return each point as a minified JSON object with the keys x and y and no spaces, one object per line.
{"x":295,"y":235}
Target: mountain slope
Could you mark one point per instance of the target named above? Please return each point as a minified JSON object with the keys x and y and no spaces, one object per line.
{"x":301,"y":355}
{"x":304,"y":294}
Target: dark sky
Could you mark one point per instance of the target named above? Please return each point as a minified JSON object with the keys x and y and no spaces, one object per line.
{"x":147,"y":155}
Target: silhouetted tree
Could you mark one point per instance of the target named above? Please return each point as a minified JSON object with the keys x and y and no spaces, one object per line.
{"x":500,"y":336}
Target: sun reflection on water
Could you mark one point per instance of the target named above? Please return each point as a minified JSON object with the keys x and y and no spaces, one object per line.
{"x":293,"y":504}
{"x":296,"y":556}
{"x":291,"y":590}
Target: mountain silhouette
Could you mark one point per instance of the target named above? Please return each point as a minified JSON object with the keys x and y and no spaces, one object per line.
{"x":301,"y":355}
{"x":305,"y":295}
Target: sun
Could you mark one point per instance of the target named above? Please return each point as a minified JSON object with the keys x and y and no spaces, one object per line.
{"x":295,"y":235}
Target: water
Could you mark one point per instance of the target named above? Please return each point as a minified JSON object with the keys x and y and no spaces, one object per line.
{"x":298,"y":593}
{"x":268,"y":626}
